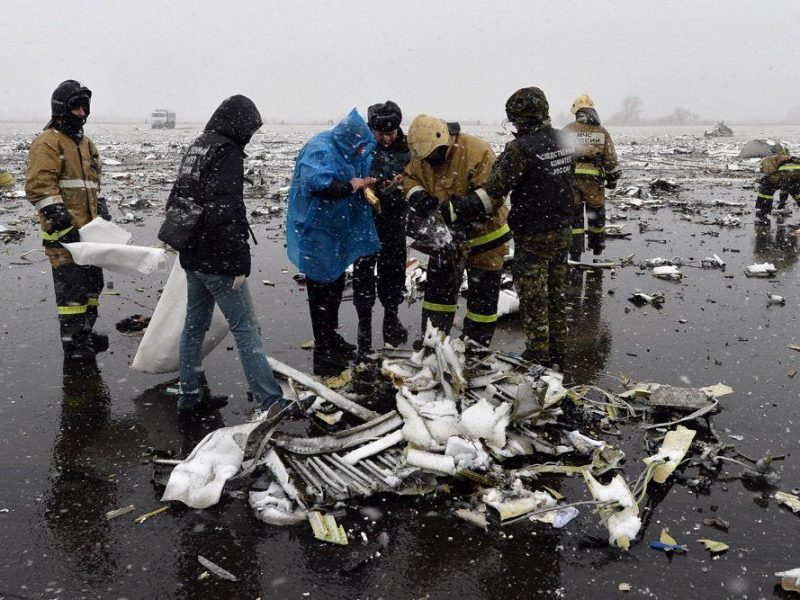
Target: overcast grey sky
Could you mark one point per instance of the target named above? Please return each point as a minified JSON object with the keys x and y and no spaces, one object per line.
{"x":303,"y":60}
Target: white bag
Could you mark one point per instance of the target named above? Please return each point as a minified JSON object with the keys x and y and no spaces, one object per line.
{"x":106,"y":232}
{"x":129,"y":260}
{"x":158,"y":350}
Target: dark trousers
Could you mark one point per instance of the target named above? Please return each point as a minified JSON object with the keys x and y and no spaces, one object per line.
{"x":390,"y":281}
{"x":589,"y":196}
{"x":323,"y":303}
{"x":77,"y":290}
{"x":442,"y":285}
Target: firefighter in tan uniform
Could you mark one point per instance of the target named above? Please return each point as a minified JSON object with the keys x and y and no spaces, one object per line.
{"x":63,"y":180}
{"x":446,"y":173}
{"x":781,"y":173}
{"x":596,"y":165}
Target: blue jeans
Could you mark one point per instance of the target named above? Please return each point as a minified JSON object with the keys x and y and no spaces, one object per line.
{"x":203,"y":291}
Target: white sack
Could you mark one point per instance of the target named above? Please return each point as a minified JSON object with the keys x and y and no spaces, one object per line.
{"x":197,"y":481}
{"x":106,"y":232}
{"x":158,"y":350}
{"x":129,"y":260}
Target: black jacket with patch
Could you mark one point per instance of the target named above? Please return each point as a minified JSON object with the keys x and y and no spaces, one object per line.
{"x":386,"y":163}
{"x":537,"y":169}
{"x":212,"y":174}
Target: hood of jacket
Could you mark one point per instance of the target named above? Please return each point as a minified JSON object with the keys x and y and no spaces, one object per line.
{"x":237,"y":118}
{"x":351,"y":133}
{"x":588,"y":116}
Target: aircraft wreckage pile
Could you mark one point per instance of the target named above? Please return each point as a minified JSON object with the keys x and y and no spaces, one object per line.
{"x":460,"y":414}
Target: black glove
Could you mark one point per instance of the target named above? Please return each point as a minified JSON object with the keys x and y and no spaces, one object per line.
{"x":102,"y":209}
{"x":422,"y":203}
{"x":468,"y":209}
{"x":58,"y":218}
{"x":611,"y":179}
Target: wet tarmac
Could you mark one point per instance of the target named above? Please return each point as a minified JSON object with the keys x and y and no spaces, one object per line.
{"x":77,"y":439}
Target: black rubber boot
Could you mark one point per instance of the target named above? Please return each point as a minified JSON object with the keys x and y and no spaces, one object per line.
{"x":98,"y":341}
{"x":328,"y":362}
{"x":394,"y":333}
{"x":341,"y":345}
{"x":79,"y":347}
{"x":364,"y":335}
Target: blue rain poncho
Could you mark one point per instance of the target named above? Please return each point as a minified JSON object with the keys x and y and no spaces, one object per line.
{"x":325,"y":236}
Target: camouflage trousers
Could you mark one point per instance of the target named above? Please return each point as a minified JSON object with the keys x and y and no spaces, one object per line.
{"x":540,"y":276}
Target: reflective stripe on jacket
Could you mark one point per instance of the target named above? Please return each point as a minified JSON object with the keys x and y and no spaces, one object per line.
{"x":62,"y":171}
{"x":467,"y":168}
{"x":595,"y":153}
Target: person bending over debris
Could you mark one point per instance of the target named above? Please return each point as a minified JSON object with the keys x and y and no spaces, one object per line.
{"x":781,"y":173}
{"x":329,"y":226}
{"x":447,"y":172}
{"x":597,"y":162}
{"x":63,"y":180}
{"x":217,"y":259}
{"x":389,"y":158}
{"x":536,"y":168}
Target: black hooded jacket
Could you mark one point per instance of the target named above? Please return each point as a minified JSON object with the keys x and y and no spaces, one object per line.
{"x":212,"y":174}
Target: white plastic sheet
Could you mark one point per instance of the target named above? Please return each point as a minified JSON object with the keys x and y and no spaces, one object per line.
{"x":120,"y":258}
{"x":158,"y":350}
{"x":198,"y":480}
{"x":100,"y":230}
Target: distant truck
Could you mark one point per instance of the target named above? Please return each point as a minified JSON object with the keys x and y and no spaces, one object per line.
{"x":162,"y":119}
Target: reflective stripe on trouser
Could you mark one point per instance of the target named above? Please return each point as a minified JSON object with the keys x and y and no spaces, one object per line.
{"x":764,"y":198}
{"x":77,"y":289}
{"x":442,"y":283}
{"x":589,"y":195}
{"x":540,"y":276}
{"x":482,"y":295}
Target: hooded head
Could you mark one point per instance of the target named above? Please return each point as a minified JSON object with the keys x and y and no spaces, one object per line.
{"x":426,"y":134}
{"x":584,"y":111}
{"x":237,"y":118}
{"x":528,"y":108}
{"x":69,"y":95}
{"x":352,"y":136}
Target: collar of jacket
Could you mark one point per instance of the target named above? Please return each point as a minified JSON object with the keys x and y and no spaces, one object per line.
{"x":228,"y":141}
{"x":526,"y":128}
{"x":400,"y":144}
{"x":54,"y":124}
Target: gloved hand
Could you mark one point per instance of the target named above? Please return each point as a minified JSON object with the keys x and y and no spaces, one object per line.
{"x":422,"y":203}
{"x":102,"y":209}
{"x":58,"y":218}
{"x":467,"y":209}
{"x":60,"y":222}
{"x":611,"y":179}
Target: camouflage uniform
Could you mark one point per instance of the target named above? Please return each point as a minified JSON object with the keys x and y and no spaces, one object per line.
{"x":536,"y":169}
{"x":781,"y":173}
{"x":540,"y":274}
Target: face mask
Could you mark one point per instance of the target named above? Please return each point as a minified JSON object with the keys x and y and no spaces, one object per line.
{"x":437,"y":157}
{"x":72,"y":125}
